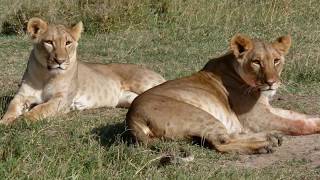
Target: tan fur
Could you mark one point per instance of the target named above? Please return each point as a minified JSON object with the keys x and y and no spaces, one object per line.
{"x":55,"y":82}
{"x":226,"y":103}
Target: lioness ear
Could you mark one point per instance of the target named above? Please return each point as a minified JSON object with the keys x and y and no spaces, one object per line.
{"x":76,"y":30}
{"x":282,"y":44}
{"x":240,"y":44}
{"x":36,"y":26}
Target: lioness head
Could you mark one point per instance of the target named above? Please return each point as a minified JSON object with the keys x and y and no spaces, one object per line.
{"x":54,"y":45}
{"x":259,"y":63}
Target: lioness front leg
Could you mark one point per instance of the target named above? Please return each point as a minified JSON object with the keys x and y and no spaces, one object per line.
{"x":47,"y":109}
{"x":17,"y":106}
{"x":251,"y":143}
{"x":292,"y":123}
{"x":266,"y":118}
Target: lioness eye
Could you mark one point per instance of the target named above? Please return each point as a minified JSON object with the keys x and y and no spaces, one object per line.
{"x":276,"y":61}
{"x":48,"y":42}
{"x":256,"y":62}
{"x":68,"y":42}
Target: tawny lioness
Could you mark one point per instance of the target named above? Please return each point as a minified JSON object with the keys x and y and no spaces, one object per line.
{"x":226,"y":103}
{"x":56,"y":82}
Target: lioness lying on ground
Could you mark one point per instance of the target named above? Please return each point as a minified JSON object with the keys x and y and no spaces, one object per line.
{"x":55,"y":82}
{"x":226,"y":103}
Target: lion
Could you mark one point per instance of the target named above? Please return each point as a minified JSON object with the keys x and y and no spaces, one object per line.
{"x":55,"y":82}
{"x":226,"y":103}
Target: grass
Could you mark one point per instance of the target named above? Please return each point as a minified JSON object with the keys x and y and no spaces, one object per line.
{"x":175,"y":38}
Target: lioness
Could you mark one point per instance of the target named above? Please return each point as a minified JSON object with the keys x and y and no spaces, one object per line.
{"x":226,"y":103}
{"x":56,"y":82}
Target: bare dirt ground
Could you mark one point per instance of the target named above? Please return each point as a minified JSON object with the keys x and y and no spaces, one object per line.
{"x":302,"y":148}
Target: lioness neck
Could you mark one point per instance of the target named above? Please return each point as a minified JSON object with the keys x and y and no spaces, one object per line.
{"x":224,"y":68}
{"x":240,"y":96}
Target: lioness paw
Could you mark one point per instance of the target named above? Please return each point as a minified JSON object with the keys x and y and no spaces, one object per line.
{"x":275,"y":139}
{"x":265,"y":150}
{"x":30,"y":116}
{"x":7,"y":121}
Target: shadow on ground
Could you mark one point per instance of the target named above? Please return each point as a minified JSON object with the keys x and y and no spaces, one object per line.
{"x":4,"y":103}
{"x":113,"y":134}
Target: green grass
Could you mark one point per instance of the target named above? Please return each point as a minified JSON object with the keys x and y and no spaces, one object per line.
{"x":174,"y":42}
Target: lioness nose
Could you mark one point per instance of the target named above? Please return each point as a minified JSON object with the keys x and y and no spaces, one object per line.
{"x":271,"y":81}
{"x":59,"y":60}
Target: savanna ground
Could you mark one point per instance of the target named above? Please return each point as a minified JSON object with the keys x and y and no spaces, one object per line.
{"x":175,"y":38}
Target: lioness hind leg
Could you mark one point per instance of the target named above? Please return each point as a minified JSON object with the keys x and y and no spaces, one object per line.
{"x":151,"y":117}
{"x":141,"y":132}
{"x":126,"y":99}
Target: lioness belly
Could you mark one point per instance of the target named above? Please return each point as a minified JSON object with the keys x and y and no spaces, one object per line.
{"x":97,"y":93}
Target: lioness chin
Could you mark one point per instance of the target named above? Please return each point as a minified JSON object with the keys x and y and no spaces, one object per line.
{"x":226,"y":103}
{"x":56,"y":82}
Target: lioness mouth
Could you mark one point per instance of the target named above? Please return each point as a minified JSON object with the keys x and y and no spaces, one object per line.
{"x":270,"y":89}
{"x":51,"y":68}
